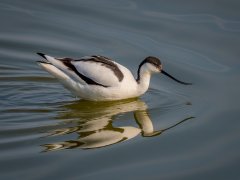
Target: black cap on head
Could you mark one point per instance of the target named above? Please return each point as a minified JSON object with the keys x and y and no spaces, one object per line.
{"x":152,"y":60}
{"x":157,"y":63}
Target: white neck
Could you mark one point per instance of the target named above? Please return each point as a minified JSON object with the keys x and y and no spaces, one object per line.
{"x":143,"y":80}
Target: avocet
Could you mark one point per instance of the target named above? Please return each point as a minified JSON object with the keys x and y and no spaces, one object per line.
{"x":98,"y":78}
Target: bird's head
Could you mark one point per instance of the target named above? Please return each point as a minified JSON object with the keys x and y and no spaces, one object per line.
{"x":153,"y":65}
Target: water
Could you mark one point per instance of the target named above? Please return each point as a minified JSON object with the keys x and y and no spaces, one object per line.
{"x":172,"y":132}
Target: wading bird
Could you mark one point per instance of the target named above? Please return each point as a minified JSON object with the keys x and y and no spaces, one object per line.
{"x":98,"y":78}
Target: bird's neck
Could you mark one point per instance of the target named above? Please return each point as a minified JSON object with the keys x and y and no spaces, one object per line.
{"x":143,"y":80}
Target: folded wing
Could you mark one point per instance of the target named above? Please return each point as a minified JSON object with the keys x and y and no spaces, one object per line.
{"x":92,"y":70}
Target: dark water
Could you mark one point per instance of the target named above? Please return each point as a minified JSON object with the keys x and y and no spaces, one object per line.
{"x":46,"y":133}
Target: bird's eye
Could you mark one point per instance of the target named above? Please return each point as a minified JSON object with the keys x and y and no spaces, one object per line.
{"x":156,"y":65}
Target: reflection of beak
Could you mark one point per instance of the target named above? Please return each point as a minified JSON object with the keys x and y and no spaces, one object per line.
{"x":158,"y":132}
{"x":181,"y":82}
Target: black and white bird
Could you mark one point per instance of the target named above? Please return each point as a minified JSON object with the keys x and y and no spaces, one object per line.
{"x":98,"y":78}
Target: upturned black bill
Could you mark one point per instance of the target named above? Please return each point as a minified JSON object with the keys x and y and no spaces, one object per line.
{"x":181,"y":82}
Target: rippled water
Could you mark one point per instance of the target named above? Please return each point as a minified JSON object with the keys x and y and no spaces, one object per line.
{"x":172,"y":132}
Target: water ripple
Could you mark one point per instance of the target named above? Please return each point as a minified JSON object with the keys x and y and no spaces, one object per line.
{"x":226,"y":25}
{"x":140,"y":138}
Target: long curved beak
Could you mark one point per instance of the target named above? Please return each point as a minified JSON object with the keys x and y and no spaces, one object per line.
{"x":181,"y":82}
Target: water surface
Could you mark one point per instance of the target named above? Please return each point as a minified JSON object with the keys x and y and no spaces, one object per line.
{"x":47,"y":133}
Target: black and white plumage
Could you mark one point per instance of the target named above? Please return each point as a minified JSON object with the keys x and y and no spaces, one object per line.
{"x":99,"y":78}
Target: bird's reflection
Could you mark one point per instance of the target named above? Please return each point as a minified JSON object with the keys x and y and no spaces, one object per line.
{"x":93,"y":123}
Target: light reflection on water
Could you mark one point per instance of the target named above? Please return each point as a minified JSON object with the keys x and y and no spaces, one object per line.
{"x":93,"y":124}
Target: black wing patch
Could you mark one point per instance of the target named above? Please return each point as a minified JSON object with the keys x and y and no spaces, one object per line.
{"x":67,"y":62}
{"x":108,"y":63}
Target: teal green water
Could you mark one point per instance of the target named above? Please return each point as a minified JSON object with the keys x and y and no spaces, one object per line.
{"x":171,"y":132}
